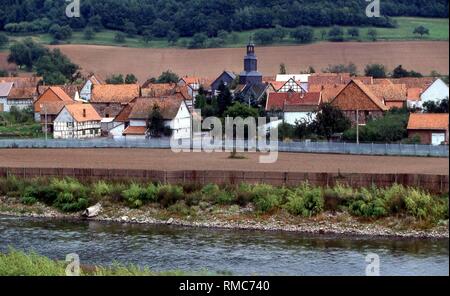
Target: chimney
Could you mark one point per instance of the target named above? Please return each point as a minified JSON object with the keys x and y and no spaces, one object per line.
{"x":84,"y":112}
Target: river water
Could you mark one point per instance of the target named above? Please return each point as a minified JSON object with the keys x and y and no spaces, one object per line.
{"x":238,"y":252}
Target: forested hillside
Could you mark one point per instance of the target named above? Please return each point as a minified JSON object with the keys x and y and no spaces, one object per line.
{"x":170,"y":18}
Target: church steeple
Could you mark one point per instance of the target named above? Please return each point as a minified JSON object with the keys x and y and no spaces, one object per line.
{"x":250,"y":74}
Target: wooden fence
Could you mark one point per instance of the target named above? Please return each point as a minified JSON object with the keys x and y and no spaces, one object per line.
{"x":433,"y":183}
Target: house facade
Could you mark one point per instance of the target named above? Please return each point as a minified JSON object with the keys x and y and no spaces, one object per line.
{"x":5,"y":89}
{"x":293,"y":107}
{"x":358,"y":103}
{"x":109,"y":99}
{"x":50,"y":95}
{"x":22,"y":98}
{"x":86,"y":89}
{"x":429,"y":128}
{"x":77,"y":121}
{"x":225,"y":78}
{"x":436,"y":92}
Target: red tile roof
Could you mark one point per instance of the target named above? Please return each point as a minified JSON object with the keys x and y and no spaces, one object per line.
{"x":329,"y":92}
{"x":60,"y":93}
{"x":135,"y":130}
{"x":83,"y":112}
{"x":142,"y":107}
{"x":22,"y":93}
{"x":277,"y":101}
{"x":390,"y":92}
{"x":114,"y":93}
{"x":414,"y":93}
{"x":425,"y":121}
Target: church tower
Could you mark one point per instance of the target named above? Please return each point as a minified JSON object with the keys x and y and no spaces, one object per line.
{"x":250,"y":74}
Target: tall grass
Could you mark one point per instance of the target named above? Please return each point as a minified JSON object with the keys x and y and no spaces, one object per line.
{"x":70,"y":195}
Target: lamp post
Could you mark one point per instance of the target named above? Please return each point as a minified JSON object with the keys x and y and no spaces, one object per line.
{"x":357,"y":126}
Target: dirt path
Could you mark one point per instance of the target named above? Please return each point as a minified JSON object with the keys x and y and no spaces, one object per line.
{"x":422,"y":56}
{"x":167,"y":160}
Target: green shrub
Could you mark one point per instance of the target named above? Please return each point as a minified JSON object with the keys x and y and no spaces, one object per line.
{"x":210,"y":192}
{"x":10,"y":184}
{"x":305,"y":201}
{"x":368,"y":204}
{"x":28,"y":200}
{"x":193,"y":199}
{"x":180,"y":208}
{"x":423,"y":206}
{"x":266,"y":203}
{"x":71,"y":195}
{"x":101,"y":189}
{"x":345,"y":193}
{"x":313,"y":202}
{"x":169,"y":195}
{"x":151,"y":193}
{"x":225,"y":198}
{"x":332,"y":201}
{"x":134,"y":195}
{"x":395,"y":199}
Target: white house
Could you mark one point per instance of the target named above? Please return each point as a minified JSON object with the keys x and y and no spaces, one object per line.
{"x":77,"y":121}
{"x":437,"y":91}
{"x":175,"y":113}
{"x":5,"y":89}
{"x":86,"y":90}
{"x":300,"y":79}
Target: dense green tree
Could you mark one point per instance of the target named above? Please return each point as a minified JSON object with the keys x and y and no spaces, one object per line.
{"x":375,"y":70}
{"x":224,"y":99}
{"x":198,"y":41}
{"x":372,"y":34}
{"x":131,"y":79}
{"x":341,"y":68}
{"x":130,"y":29}
{"x":88,"y":33}
{"x":147,"y":36}
{"x":155,"y":122}
{"x":421,"y":30}
{"x":56,"y":68}
{"x":400,"y":72}
{"x":241,"y":110}
{"x":3,"y":39}
{"x":168,"y":77}
{"x":115,"y":79}
{"x":353,"y":32}
{"x":25,"y":53}
{"x":336,"y":34}
{"x":330,"y":120}
{"x":96,"y":23}
{"x":436,"y":107}
{"x":303,"y":34}
{"x":60,"y":32}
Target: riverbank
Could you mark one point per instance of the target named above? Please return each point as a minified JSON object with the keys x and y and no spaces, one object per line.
{"x":238,"y":218}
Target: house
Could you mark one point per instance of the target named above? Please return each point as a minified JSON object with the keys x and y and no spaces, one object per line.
{"x":336,"y":79}
{"x":359,"y":103}
{"x":328,"y":92}
{"x":22,"y":98}
{"x":109,"y":99}
{"x":49,"y":112}
{"x":393,"y":95}
{"x":291,"y":85}
{"x":72,"y":90}
{"x":174,"y":111}
{"x":436,"y":92}
{"x":225,"y":78}
{"x":430,"y":128}
{"x":5,"y":89}
{"x":293,"y":107}
{"x":23,"y":82}
{"x":77,"y":121}
{"x":193,"y":84}
{"x":299,"y":79}
{"x":51,"y":94}
{"x":86,"y":89}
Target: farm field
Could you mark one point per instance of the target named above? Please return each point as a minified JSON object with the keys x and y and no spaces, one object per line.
{"x":421,"y":56}
{"x":404,"y":31}
{"x":167,"y":160}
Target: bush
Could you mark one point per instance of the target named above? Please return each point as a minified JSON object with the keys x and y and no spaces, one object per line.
{"x":423,"y":206}
{"x":71,"y":195}
{"x":180,"y":208}
{"x":134,"y":195}
{"x":169,"y":195}
{"x":100,"y":190}
{"x":10,"y":184}
{"x":305,"y":201}
{"x":266,"y":203}
{"x":28,"y":200}
{"x":225,"y":198}
{"x":210,"y":192}
{"x":367,"y":204}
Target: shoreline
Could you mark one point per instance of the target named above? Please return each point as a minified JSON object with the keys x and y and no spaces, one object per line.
{"x":326,"y":225}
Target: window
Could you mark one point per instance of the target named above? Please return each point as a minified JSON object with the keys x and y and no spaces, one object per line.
{"x":83,"y":133}
{"x":92,"y":131}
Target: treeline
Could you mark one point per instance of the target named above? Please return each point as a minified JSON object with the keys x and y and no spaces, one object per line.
{"x":163,"y":18}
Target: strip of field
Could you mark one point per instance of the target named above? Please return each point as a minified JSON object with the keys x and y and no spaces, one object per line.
{"x":169,"y":161}
{"x":420,"y":56}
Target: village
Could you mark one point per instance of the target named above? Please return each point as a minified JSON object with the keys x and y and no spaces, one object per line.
{"x":153,"y":109}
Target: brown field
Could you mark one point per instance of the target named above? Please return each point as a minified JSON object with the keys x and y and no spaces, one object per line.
{"x":422,"y":56}
{"x":167,"y":160}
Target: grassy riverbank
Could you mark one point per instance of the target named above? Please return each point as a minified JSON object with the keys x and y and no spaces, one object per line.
{"x":340,"y":209}
{"x":18,"y":263}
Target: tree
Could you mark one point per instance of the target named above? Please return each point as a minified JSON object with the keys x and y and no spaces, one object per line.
{"x":224,"y":99}
{"x":436,"y":107}
{"x":372,"y":33}
{"x":323,"y":34}
{"x":115,"y":79}
{"x":3,"y":39}
{"x":279,"y":33}
{"x":354,"y":32}
{"x":168,"y":77}
{"x":60,"y":32}
{"x":421,"y":30}
{"x":241,"y":110}
{"x":282,"y":69}
{"x":341,"y":68}
{"x":155,"y":122}
{"x":303,"y":34}
{"x":56,"y":68}
{"x":130,"y":79}
{"x":172,"y":37}
{"x":375,"y":70}
{"x":88,"y":33}
{"x":130,"y":29}
{"x":330,"y":120}
{"x":120,"y":37}
{"x":198,"y":41}
{"x":25,"y":53}
{"x":400,"y":72}
{"x":147,"y":36}
{"x":264,"y":37}
{"x":336,"y":34}
{"x":96,"y":23}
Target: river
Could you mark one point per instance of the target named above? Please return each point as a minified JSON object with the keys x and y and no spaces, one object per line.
{"x":238,"y":252}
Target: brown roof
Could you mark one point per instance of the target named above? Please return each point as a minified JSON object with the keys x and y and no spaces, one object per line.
{"x":60,"y":93}
{"x":158,"y":89}
{"x":414,"y":93}
{"x":124,"y":114}
{"x":336,"y":78}
{"x":70,"y":89}
{"x":53,"y":108}
{"x":135,"y":130}
{"x":389,"y":92}
{"x":278,"y":101}
{"x":21,"y":82}
{"x":329,"y":92}
{"x":22,"y":93}
{"x":169,"y":107}
{"x":115,"y":93}
{"x":367,"y":91}
{"x":382,"y":81}
{"x":419,"y":121}
{"x":413,"y":82}
{"x":83,"y":112}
